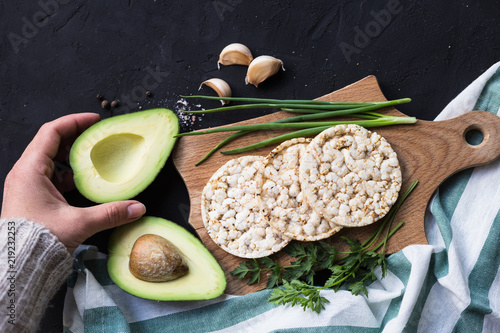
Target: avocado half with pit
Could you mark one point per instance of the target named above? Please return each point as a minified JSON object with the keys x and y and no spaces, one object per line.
{"x":196,"y":275}
{"x":118,"y":157}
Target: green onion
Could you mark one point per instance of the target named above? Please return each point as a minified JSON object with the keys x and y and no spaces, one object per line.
{"x":221,"y":144}
{"x":276,"y":105}
{"x":310,"y":109}
{"x":310,"y":129}
{"x":331,"y":106}
{"x":237,"y":135}
{"x":277,"y":139}
{"x":382,"y":121}
{"x":269,"y":100}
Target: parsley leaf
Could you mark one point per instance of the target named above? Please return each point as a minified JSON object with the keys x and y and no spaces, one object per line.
{"x":299,"y":293}
{"x":355,"y":269}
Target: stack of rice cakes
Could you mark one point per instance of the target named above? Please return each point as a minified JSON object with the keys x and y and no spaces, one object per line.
{"x":304,"y":189}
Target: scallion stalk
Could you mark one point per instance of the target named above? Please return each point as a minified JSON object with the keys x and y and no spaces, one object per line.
{"x":221,"y":144}
{"x":277,"y":139}
{"x":383,"y":121}
{"x":271,"y":100}
{"x":309,"y":129}
{"x":310,"y":109}
{"x":332,"y":106}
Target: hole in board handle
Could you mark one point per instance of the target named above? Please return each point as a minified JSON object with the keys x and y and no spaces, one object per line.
{"x":474,"y":135}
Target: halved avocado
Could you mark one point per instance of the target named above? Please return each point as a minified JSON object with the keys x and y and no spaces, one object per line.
{"x":118,"y":157}
{"x":204,"y":279}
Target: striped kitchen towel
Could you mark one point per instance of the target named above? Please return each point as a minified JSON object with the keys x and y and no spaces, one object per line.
{"x":450,"y":285}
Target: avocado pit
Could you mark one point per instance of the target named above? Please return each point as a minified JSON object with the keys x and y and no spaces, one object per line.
{"x":155,"y":259}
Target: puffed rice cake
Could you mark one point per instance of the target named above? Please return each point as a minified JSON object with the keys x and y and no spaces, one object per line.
{"x":230,"y":209}
{"x":350,"y":175}
{"x":282,"y":200}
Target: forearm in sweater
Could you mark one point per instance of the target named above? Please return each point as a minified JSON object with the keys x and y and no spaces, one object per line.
{"x":33,"y":266}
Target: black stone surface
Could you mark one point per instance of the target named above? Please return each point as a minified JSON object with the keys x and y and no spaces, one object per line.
{"x":55,"y":57}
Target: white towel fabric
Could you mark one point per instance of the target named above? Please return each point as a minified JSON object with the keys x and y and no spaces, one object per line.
{"x":450,"y":285}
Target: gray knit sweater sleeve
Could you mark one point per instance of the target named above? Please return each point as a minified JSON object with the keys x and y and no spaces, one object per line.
{"x":33,"y":266}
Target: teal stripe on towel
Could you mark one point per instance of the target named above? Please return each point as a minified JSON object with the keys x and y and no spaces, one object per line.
{"x":105,"y":319}
{"x":488,"y":264}
{"x":234,"y":311}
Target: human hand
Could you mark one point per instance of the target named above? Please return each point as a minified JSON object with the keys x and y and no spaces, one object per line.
{"x":32,"y":191}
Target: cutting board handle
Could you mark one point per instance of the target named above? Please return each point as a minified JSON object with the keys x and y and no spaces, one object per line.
{"x":485,"y":123}
{"x":431,"y":152}
{"x":428,"y":151}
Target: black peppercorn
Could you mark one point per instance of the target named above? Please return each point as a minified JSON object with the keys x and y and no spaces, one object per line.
{"x":105,"y":104}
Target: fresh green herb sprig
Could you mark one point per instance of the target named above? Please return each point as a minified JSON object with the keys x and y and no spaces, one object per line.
{"x":355,"y":268}
{"x":308,"y":260}
{"x":312,"y":109}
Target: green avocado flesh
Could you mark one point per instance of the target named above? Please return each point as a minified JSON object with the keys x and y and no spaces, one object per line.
{"x":204,"y":280}
{"x":118,"y":157}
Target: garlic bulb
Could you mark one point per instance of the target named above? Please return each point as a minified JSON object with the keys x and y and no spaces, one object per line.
{"x":261,"y":68}
{"x":220,"y":86}
{"x":235,"y":54}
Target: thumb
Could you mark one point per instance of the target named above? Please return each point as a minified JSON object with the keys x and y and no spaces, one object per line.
{"x":112,"y":214}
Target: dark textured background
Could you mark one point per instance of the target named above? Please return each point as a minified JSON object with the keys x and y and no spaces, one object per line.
{"x":55,"y":58}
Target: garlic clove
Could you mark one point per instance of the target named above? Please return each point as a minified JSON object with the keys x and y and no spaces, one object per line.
{"x":235,"y":54}
{"x":220,"y":86}
{"x":261,"y":68}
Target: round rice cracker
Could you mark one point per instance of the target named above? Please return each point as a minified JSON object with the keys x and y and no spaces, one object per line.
{"x":230,"y":208}
{"x":282,"y":199}
{"x":350,"y":175}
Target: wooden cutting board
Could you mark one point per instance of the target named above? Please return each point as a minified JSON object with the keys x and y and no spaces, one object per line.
{"x":428,"y":151}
